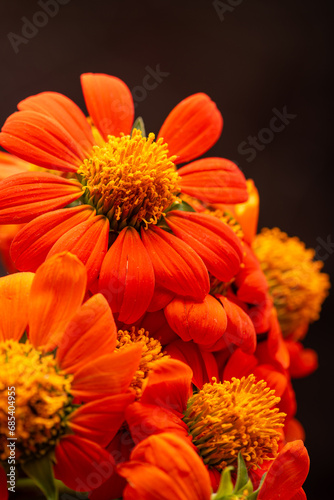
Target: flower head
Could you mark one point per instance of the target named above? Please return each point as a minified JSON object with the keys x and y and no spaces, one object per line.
{"x":296,"y":283}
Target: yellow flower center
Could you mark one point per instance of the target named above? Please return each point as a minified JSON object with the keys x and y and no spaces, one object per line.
{"x":131,"y":180}
{"x":231,"y":417}
{"x":37,"y":395}
{"x":152,"y":351}
{"x":295,"y":280}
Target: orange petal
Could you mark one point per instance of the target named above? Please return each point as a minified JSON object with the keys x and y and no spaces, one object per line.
{"x":100,"y":420}
{"x":165,"y":466}
{"x":56,"y":294}
{"x":11,"y":165}
{"x":41,"y":140}
{"x":161,"y":297}
{"x":127,"y":277}
{"x":66,"y":113}
{"x":192,"y":127}
{"x":203,"y":364}
{"x":91,"y":333}
{"x":214,"y":180}
{"x":156,"y":324}
{"x":287,"y":473}
{"x":202,"y":322}
{"x":247,"y":214}
{"x":240,"y":330}
{"x":106,"y":375}
{"x":169,"y":385}
{"x":213,"y":240}
{"x":303,"y":361}
{"x":25,"y":196}
{"x":78,"y":460}
{"x":32,"y":244}
{"x":14,"y":304}
{"x":109,"y":103}
{"x":240,"y":364}
{"x":88,"y":241}
{"x":177,"y":267}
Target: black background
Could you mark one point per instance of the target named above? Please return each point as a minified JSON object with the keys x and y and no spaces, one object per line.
{"x":263,"y":55}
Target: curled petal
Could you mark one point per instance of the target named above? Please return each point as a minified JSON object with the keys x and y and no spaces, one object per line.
{"x":14,"y":305}
{"x":213,"y":240}
{"x":41,"y":140}
{"x":177,"y":267}
{"x":287,"y":473}
{"x":56,"y":294}
{"x":109,"y":103}
{"x":65,"y":112}
{"x":127,"y":277}
{"x":214,"y":180}
{"x":303,"y":361}
{"x":192,"y":127}
{"x":91,"y":333}
{"x":240,"y":330}
{"x":27,"y":195}
{"x":32,"y":244}
{"x":203,"y":322}
{"x":88,"y":241}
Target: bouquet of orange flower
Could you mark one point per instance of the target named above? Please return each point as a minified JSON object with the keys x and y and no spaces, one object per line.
{"x":148,"y":335}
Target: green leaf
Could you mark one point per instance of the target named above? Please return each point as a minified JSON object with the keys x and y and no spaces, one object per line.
{"x":225,"y":486}
{"x":40,"y":471}
{"x":242,"y":475}
{"x":139,"y":125}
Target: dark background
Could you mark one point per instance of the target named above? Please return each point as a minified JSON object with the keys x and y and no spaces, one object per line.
{"x":258,"y":56}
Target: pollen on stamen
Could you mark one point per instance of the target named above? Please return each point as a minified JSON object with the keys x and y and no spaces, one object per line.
{"x":131,"y":180}
{"x":231,"y":417}
{"x":42,"y":400}
{"x":152,"y":352}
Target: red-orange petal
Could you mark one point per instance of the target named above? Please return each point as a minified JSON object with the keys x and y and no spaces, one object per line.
{"x":99,"y":420}
{"x":156,"y":324}
{"x":91,"y":333}
{"x":109,"y":103}
{"x":88,"y":241}
{"x":176,"y":265}
{"x":32,"y":244}
{"x":287,"y":473}
{"x":78,"y":460}
{"x":202,"y":322}
{"x":66,"y":113}
{"x":56,"y":294}
{"x":106,"y":375}
{"x":202,"y":363}
{"x":240,"y":330}
{"x":214,"y":180}
{"x":41,"y":140}
{"x":168,"y":385}
{"x":127,"y":277}
{"x":165,"y":467}
{"x":303,"y":361}
{"x":11,"y":165}
{"x":25,"y":196}
{"x":14,"y":304}
{"x":192,"y":127}
{"x":213,"y":240}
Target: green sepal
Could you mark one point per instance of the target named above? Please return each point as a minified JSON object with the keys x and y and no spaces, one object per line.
{"x":139,"y":125}
{"x":183,"y":206}
{"x":225,"y":487}
{"x":243,"y":482}
{"x":40,"y":471}
{"x":253,"y":496}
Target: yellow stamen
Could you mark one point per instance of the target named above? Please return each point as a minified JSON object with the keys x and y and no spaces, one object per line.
{"x":231,"y":417}
{"x":296,"y":283}
{"x":152,"y":351}
{"x":130,"y":179}
{"x":42,"y":400}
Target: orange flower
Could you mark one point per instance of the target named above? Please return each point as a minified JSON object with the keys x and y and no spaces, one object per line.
{"x":164,"y":466}
{"x":71,"y":389}
{"x":123,"y":183}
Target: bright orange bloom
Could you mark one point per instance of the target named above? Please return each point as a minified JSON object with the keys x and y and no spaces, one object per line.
{"x":164,"y":466}
{"x":122,"y":185}
{"x":71,"y":388}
